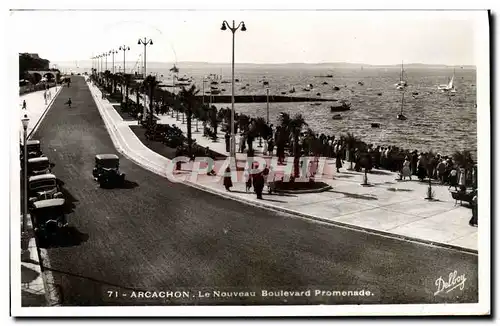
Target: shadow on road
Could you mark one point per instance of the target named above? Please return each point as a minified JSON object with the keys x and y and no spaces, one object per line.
{"x":127,"y":184}
{"x":69,"y":237}
{"x":356,"y":196}
{"x":398,"y":189}
{"x":380,"y":172}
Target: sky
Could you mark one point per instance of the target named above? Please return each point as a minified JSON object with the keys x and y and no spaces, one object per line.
{"x":369,"y":37}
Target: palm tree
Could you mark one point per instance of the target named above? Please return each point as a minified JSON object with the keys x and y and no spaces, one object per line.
{"x":261,"y":129}
{"x":189,"y":101}
{"x":295,"y":126}
{"x":351,"y":142}
{"x":150,"y":83}
{"x":464,"y":159}
{"x":126,"y":80}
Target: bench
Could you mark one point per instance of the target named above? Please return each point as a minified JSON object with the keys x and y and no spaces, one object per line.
{"x":462,"y":196}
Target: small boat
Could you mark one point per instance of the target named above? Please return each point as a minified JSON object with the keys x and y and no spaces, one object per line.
{"x":306,"y":89}
{"x":337,"y":117}
{"x":223,"y":90}
{"x":325,"y":83}
{"x":292,"y":90}
{"x":247,"y":85}
{"x":244,"y":87}
{"x":325,"y":76}
{"x":225,"y":82}
{"x":375,"y":125}
{"x":265,"y":83}
{"x":237,"y":80}
{"x":315,"y":104}
{"x":402,"y":83}
{"x":361,"y":83}
{"x":342,"y":106}
{"x":318,"y":94}
{"x":283,"y":93}
{"x":379,"y":94}
{"x":414,"y":93}
{"x":215,"y":92}
{"x":214,"y":83}
{"x":336,"y":88}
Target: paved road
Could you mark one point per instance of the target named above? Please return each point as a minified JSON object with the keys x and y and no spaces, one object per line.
{"x":158,"y":235}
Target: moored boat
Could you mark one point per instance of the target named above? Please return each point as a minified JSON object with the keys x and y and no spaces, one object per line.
{"x":342,"y":106}
{"x":337,"y":117}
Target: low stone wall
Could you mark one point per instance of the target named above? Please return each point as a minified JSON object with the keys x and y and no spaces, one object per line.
{"x":33,"y":88}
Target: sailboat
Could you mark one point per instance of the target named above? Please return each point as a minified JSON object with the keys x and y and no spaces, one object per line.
{"x":402,"y":83}
{"x":400,"y":115}
{"x":448,"y":87}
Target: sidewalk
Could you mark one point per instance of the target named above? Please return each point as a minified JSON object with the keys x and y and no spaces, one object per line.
{"x":389,"y":207}
{"x":35,"y":107}
{"x":33,"y":289}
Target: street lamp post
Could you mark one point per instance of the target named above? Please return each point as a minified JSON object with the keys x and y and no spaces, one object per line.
{"x":25,"y":121}
{"x":267,"y":112}
{"x":145,"y":42}
{"x":112,"y":52}
{"x":124,"y":48}
{"x":233,"y":29}
{"x":105,"y":61}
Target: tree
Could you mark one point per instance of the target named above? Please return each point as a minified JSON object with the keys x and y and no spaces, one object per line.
{"x":294,"y":128}
{"x":464,"y":159}
{"x":126,"y":80}
{"x":351,"y":142}
{"x":150,"y":83}
{"x":189,"y":101}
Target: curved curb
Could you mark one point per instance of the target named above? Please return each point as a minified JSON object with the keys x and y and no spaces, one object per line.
{"x":139,"y":160}
{"x":305,"y":191}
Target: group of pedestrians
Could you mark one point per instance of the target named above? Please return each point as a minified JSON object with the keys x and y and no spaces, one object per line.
{"x":257,"y":180}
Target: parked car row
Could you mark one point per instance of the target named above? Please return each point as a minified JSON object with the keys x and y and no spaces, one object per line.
{"x":45,"y":199}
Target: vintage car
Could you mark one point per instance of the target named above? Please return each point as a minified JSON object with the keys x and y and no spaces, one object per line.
{"x":38,"y":165}
{"x":48,"y":217}
{"x":43,"y":186}
{"x":107,"y":170}
{"x":33,"y":149}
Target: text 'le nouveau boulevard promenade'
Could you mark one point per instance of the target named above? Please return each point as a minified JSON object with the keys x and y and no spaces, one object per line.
{"x":135,"y":193}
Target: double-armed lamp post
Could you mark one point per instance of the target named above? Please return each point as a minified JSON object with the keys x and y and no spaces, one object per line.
{"x":145,"y":42}
{"x":124,"y":48}
{"x":233,"y":29}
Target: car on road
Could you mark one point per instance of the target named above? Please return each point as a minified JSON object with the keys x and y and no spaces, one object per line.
{"x":38,"y":165}
{"x":49,"y":218}
{"x":43,"y":186}
{"x":107,"y":170}
{"x":33,"y":149}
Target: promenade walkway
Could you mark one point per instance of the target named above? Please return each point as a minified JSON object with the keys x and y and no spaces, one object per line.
{"x":36,"y":107}
{"x":389,"y":206}
{"x":33,"y":291}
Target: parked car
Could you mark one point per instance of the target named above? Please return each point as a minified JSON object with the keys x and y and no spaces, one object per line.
{"x":43,"y":186}
{"x":49,"y":218}
{"x":107,"y":170}
{"x":33,"y":149}
{"x":38,"y":165}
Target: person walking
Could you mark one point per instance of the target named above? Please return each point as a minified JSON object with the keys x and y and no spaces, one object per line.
{"x":338,"y":161}
{"x":461,"y":180}
{"x":227,"y":138}
{"x":69,"y":102}
{"x":406,"y":171}
{"x":228,"y":183}
{"x":24,"y":104}
{"x":452,"y":178}
{"x":473,"y":219}
{"x":258,"y":184}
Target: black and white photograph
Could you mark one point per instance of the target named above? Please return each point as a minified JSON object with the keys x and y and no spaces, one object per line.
{"x":282,"y":162}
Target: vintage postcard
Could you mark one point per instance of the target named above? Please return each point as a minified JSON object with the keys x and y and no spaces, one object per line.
{"x":249,"y":163}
